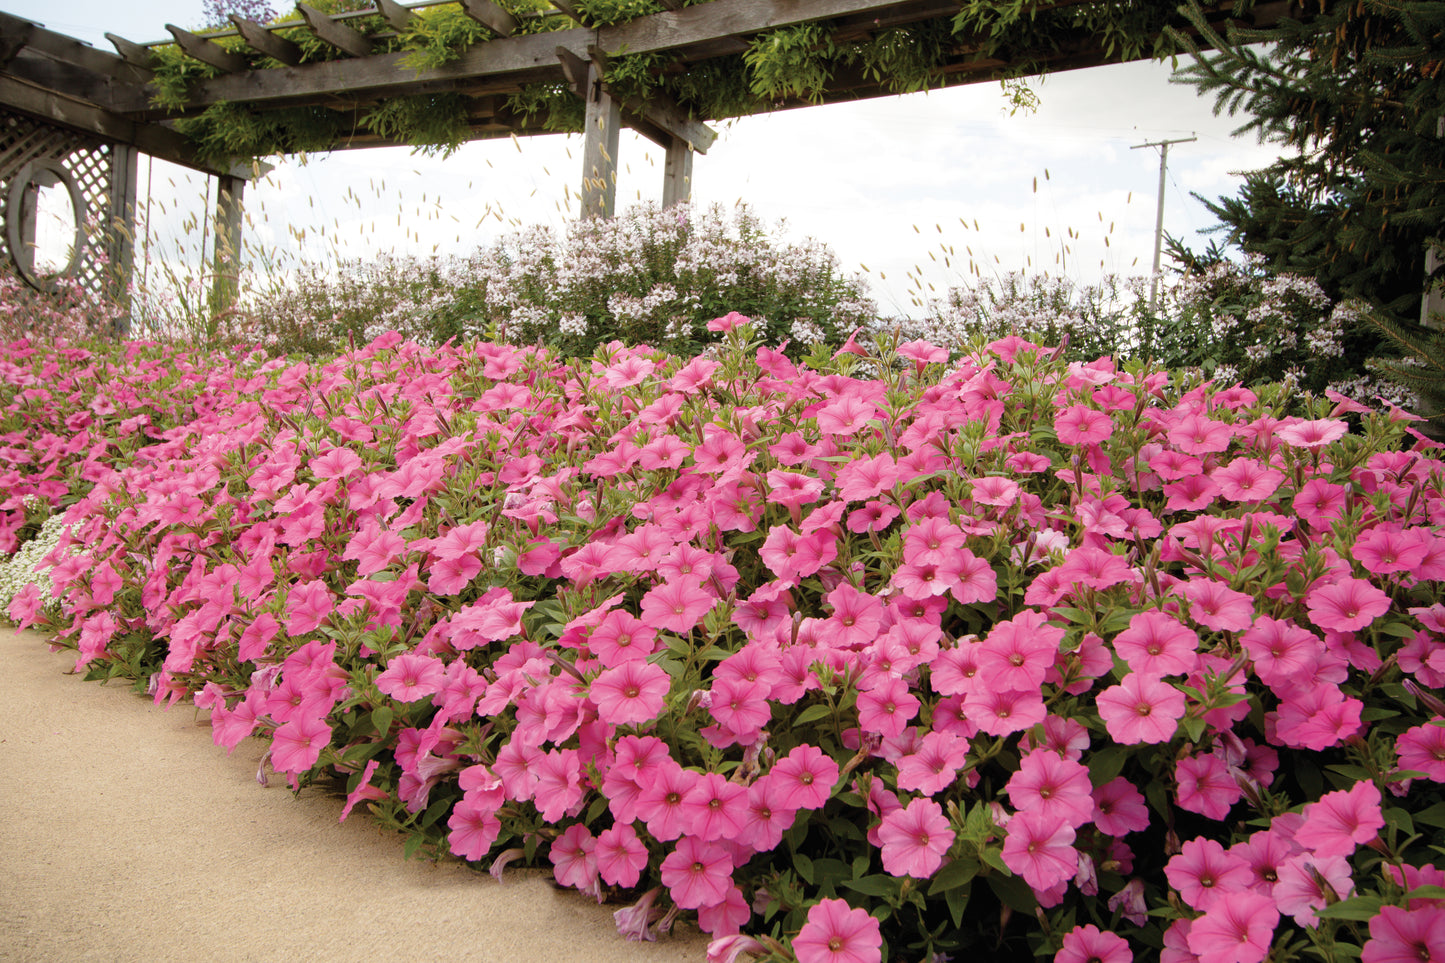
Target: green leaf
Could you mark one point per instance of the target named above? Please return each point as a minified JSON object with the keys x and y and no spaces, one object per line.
{"x":887,"y":887}
{"x":954,"y":875}
{"x":813,"y":714}
{"x":804,"y":866}
{"x":1012,"y":891}
{"x":1106,"y":764}
{"x":957,"y":902}
{"x":1354,"y":908}
{"x":381,"y":719}
{"x":1434,"y":816}
{"x":1428,"y":891}
{"x":1193,"y":727}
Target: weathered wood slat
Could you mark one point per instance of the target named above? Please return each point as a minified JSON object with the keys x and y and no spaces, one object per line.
{"x":574,"y":68}
{"x":208,"y":51}
{"x":334,"y":32}
{"x":398,"y":16}
{"x":491,"y":16}
{"x":14,"y":38}
{"x":71,"y":51}
{"x":570,"y":9}
{"x":263,"y":41}
{"x":132,"y":53}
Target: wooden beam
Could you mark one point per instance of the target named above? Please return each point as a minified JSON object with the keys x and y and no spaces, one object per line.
{"x":600,"y":133}
{"x":154,"y":139}
{"x":334,"y":32}
{"x":134,"y":54}
{"x":398,"y":16}
{"x":263,"y":41}
{"x":68,"y":50}
{"x":574,"y":68}
{"x":677,"y":174}
{"x":208,"y":51}
{"x":569,"y":7}
{"x":491,"y":16}
{"x":661,"y":112}
{"x":15,"y":38}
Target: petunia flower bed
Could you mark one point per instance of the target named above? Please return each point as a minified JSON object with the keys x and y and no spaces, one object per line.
{"x":885,"y":657}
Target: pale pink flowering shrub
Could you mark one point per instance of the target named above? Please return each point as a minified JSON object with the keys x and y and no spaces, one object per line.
{"x":617,"y":616}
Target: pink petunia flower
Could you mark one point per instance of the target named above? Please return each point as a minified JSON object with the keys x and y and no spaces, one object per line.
{"x":914,"y":839}
{"x":1346,"y":605}
{"x":1206,"y":786}
{"x":297,"y":745}
{"x":1237,"y":928}
{"x":1041,"y":850}
{"x":1119,"y":808}
{"x":837,"y":933}
{"x":697,"y":873}
{"x":620,"y":855}
{"x":1051,"y":785}
{"x":715,"y":809}
{"x":630,"y":694}
{"x":1082,"y":425}
{"x":805,"y":777}
{"x":1087,"y":944}
{"x":1422,"y":749}
{"x":1217,"y":606}
{"x":677,"y":605}
{"x":411,"y":677}
{"x":1156,"y":643}
{"x":1203,"y":871}
{"x":1398,"y":935}
{"x":1341,"y":820}
{"x":1141,"y":709}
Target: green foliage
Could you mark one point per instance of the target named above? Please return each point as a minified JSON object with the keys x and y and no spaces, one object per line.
{"x":791,"y":62}
{"x":1355,"y":90}
{"x":430,"y":122}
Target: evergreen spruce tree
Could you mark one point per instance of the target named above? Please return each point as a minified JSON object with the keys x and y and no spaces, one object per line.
{"x":1354,"y":86}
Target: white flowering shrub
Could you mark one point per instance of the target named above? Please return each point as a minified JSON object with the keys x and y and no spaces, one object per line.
{"x":26,"y":567}
{"x":649,"y":276}
{"x":1233,"y":321}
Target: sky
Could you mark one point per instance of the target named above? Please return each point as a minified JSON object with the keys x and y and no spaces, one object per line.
{"x":894,"y":186}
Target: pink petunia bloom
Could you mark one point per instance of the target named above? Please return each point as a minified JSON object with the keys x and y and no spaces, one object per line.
{"x":1217,"y":606}
{"x":1041,"y":850}
{"x":1001,"y":713}
{"x":1346,"y":605}
{"x":856,"y":616}
{"x":297,"y":745}
{"x":1119,"y":808}
{"x":1237,"y":928}
{"x":1018,"y":653}
{"x":630,"y":694}
{"x":768,"y":818}
{"x":865,"y":478}
{"x":411,"y":677}
{"x":1203,"y":871}
{"x":660,"y":803}
{"x":934,"y":765}
{"x":1206,"y":786}
{"x":1284,"y":654}
{"x":620,"y":855}
{"x":450,"y":575}
{"x":1308,"y":882}
{"x":1398,"y":935}
{"x":621,"y":637}
{"x":1317,"y":718}
{"x":1341,"y":820}
{"x":805,"y":777}
{"x":1190,"y":493}
{"x":1320,"y":502}
{"x":1195,"y":434}
{"x":1312,"y":434}
{"x":1086,"y":944}
{"x":307,"y":606}
{"x":1385,"y":551}
{"x":1141,"y":709}
{"x":1082,"y":425}
{"x":837,"y":933}
{"x":714,"y":808}
{"x":1051,"y":785}
{"x":727,"y":917}
{"x":1158,"y":644}
{"x":888,"y":708}
{"x":574,"y":860}
{"x":677,"y":606}
{"x":1247,"y":480}
{"x":1422,"y":749}
{"x":697,"y":873}
{"x":741,"y":705}
{"x":914,"y":839}
{"x":474,"y":828}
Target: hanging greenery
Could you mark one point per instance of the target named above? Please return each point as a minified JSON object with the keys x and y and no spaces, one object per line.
{"x":780,"y":66}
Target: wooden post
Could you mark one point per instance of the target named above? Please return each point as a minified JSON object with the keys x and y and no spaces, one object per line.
{"x":677,"y":173}
{"x":119,"y":238}
{"x":599,"y":150}
{"x":226,"y":279}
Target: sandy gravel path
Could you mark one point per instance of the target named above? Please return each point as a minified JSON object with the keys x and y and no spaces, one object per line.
{"x":126,"y":835}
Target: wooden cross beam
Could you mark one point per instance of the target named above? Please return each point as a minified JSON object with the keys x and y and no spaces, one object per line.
{"x":263,"y":41}
{"x":334,"y":32}
{"x":20,"y":34}
{"x":398,"y":16}
{"x":491,"y":16}
{"x":134,"y":54}
{"x":208,"y":51}
{"x":659,"y":110}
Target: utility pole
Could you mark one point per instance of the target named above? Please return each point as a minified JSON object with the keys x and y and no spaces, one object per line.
{"x":1159,"y":217}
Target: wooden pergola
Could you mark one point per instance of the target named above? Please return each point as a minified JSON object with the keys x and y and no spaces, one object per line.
{"x":69,"y":84}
